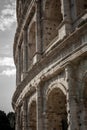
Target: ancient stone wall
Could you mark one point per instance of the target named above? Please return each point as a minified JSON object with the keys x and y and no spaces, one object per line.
{"x":50,"y":54}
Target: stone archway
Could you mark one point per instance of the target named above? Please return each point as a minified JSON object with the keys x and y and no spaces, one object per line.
{"x":56,"y":110}
{"x":53,"y":18}
{"x":32,"y":115}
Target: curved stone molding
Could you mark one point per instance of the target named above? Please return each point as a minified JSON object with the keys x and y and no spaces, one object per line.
{"x":50,"y":54}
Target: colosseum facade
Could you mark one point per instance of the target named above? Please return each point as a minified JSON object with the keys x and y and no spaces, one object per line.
{"x":50,"y":55}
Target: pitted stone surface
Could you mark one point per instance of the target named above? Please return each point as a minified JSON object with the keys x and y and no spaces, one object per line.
{"x":50,"y":54}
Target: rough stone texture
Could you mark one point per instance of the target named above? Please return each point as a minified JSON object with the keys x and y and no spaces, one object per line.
{"x":50,"y":54}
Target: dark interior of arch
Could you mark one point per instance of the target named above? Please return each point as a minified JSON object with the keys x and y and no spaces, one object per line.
{"x":32,"y":116}
{"x":53,"y":18}
{"x":81,"y":5}
{"x":56,"y":111}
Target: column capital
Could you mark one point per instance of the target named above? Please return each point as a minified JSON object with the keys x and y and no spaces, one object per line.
{"x":17,"y":109}
{"x":69,"y":64}
{"x":69,"y":67}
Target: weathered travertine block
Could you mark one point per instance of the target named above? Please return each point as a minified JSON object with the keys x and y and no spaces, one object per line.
{"x":50,"y":54}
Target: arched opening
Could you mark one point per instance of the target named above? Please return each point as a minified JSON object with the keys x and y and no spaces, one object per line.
{"x":32,"y":43}
{"x":81,"y":5}
{"x":32,"y":116}
{"x":53,"y":18}
{"x":56,"y":110}
{"x":85,"y":4}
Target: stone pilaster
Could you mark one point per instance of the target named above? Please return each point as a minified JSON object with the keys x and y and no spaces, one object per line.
{"x":19,"y":66}
{"x":38,"y":30}
{"x":25,"y":122}
{"x":39,"y":110}
{"x":45,"y":120}
{"x":82,"y":116}
{"x":73,"y":9}
{"x":17,"y":125}
{"x":66,"y":24}
{"x":25,"y":53}
{"x":65,"y":8}
{"x":72,"y":103}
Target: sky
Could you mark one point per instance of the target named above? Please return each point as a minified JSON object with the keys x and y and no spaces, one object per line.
{"x":7,"y":67}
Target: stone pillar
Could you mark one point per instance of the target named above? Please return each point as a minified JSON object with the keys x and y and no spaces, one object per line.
{"x":17,"y":125}
{"x":28,"y":120}
{"x":82,"y":116}
{"x":65,"y":27}
{"x":65,"y":8}
{"x":39,"y":109}
{"x":72,"y":104}
{"x":73,"y":9}
{"x":38,"y":30}
{"x":25,"y":53}
{"x":18,"y":71}
{"x":45,"y":120}
{"x":83,"y":103}
{"x":29,"y":54}
{"x":25,"y":122}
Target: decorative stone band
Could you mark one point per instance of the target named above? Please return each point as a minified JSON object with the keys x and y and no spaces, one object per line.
{"x":42,"y":71}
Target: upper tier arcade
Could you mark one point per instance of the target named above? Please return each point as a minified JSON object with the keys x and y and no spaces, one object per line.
{"x":42,"y":25}
{"x":50,"y":54}
{"x":22,"y":6}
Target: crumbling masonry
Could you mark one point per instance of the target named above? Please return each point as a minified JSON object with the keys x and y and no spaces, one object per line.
{"x":50,"y":54}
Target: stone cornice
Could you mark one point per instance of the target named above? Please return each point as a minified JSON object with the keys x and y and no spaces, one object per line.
{"x":29,"y":87}
{"x":25,"y":19}
{"x":67,"y":50}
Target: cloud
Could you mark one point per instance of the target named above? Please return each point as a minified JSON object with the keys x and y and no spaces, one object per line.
{"x":9,"y":67}
{"x":8,"y":16}
{"x":7,"y":61}
{"x":9,"y":72}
